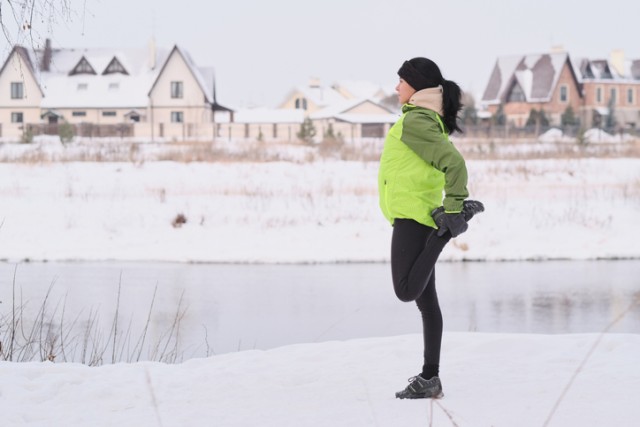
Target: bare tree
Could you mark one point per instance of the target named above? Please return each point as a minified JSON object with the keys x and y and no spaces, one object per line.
{"x":23,"y":21}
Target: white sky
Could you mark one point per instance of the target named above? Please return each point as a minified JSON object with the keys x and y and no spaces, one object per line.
{"x":261,"y":49}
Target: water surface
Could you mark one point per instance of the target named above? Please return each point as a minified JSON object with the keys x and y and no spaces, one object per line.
{"x":229,"y":307}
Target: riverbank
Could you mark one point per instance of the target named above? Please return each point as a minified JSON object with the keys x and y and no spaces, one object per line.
{"x":305,"y":212}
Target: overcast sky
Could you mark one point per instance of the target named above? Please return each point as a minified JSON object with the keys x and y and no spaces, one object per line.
{"x":261,"y":49}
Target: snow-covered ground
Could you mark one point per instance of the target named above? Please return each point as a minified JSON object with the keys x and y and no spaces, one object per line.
{"x":488,"y":380}
{"x":324,"y":211}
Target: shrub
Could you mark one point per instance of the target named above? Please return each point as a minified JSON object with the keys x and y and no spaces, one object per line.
{"x":65,"y":131}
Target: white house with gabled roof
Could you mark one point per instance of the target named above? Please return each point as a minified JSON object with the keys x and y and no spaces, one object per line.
{"x":148,"y":92}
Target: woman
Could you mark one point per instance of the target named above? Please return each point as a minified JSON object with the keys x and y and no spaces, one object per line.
{"x":419,"y":164}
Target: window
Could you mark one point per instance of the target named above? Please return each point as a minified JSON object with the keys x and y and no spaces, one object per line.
{"x":114,"y":86}
{"x":82,"y":86}
{"x":177,"y":117}
{"x":301,"y":103}
{"x":630,"y":99}
{"x":16,"y":118}
{"x":613,"y":96}
{"x":599,"y":95}
{"x":516,"y":94}
{"x":78,"y":113}
{"x":176,"y":90}
{"x":115,"y":67}
{"x":108,"y":114}
{"x":564,"y":93}
{"x":17,"y":90}
{"x":82,"y":67}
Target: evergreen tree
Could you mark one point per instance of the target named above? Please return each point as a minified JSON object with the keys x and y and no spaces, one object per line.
{"x":469,"y":114}
{"x":537,"y":118}
{"x":307,"y":131}
{"x":611,"y":122}
{"x":499,"y":118}
{"x":569,"y":118}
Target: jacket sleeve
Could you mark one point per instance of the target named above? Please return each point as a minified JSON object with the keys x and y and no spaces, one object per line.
{"x":423,"y":134}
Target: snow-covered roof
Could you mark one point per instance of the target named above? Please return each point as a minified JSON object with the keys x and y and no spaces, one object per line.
{"x":536,"y":75}
{"x":64,"y":89}
{"x":367,"y":118}
{"x":348,"y":108}
{"x":604,"y":70}
{"x":358,"y":89}
{"x":319,"y":95}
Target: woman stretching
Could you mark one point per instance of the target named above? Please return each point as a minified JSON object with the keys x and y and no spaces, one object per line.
{"x":417,"y":167}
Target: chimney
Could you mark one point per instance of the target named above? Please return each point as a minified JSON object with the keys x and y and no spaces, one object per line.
{"x":617,"y":61}
{"x":314,"y":82}
{"x":152,"y":54}
{"x":45,"y":63}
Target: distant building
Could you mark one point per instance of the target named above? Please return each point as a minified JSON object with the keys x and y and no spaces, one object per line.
{"x":552,"y":82}
{"x":150,"y":92}
{"x":155,"y":94}
{"x":350,"y":109}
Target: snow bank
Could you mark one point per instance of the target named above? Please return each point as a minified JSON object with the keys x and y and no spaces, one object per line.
{"x":488,"y":380}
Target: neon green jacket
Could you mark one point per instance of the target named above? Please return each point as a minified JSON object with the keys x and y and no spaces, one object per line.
{"x":418,"y":163}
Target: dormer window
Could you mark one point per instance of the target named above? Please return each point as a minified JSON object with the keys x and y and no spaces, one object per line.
{"x":82,"y":67}
{"x":115,"y":67}
{"x":301,"y":103}
{"x":516,"y":94}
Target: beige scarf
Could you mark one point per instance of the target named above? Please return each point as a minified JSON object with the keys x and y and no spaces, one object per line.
{"x":430,"y":98}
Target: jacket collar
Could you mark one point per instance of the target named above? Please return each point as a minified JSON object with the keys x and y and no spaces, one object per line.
{"x":430,"y":98}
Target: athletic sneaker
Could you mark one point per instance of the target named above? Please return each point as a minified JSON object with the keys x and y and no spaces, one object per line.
{"x":419,"y":388}
{"x":469,"y":209}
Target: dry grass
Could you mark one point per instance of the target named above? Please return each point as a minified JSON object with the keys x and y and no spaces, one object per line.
{"x":363,"y":150}
{"x":51,"y":336}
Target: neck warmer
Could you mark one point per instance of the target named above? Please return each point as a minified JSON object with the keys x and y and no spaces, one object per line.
{"x":430,"y":98}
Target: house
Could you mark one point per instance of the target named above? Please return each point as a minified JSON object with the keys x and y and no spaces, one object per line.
{"x":523,"y":83}
{"x":552,"y":82}
{"x":349,"y":109}
{"x":149,"y":92}
{"x":157,"y":94}
{"x":611,"y":86}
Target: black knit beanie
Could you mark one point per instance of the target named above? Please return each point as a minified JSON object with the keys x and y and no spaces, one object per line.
{"x":421,"y":73}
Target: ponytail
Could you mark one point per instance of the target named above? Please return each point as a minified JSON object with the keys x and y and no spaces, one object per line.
{"x":451,"y":105}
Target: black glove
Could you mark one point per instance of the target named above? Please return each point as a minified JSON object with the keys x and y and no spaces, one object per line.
{"x":454,"y":223}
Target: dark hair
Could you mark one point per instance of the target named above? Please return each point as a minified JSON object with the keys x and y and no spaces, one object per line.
{"x":422,"y":73}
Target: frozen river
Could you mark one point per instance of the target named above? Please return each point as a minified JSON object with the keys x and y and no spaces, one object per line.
{"x":231,"y":307}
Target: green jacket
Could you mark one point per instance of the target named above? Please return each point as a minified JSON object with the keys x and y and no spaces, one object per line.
{"x":418,"y":163}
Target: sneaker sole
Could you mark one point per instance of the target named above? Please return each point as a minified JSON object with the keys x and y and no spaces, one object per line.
{"x":422,"y":396}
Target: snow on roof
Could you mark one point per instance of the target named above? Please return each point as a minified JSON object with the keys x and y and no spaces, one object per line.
{"x":321,"y":96}
{"x":114,"y":90}
{"x":359,"y":89}
{"x":367,"y":118}
{"x":344,"y":106}
{"x":536,"y":74}
{"x":507,"y":65}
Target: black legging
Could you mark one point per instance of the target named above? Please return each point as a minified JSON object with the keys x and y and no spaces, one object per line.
{"x":415,"y":248}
